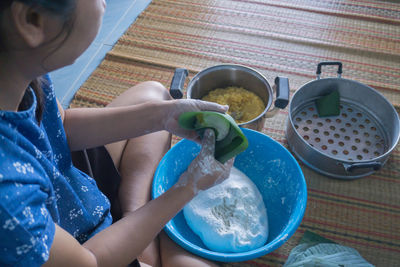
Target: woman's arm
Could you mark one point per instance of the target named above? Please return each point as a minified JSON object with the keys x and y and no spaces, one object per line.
{"x":123,"y":241}
{"x":91,"y":127}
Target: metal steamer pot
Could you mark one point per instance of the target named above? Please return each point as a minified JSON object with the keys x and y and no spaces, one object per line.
{"x":225,"y":75}
{"x":351,"y":145}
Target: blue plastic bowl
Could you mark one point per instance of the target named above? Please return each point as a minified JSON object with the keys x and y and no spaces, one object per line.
{"x":274,"y":171}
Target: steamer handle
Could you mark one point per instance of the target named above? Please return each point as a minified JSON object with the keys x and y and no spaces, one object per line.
{"x":282,"y":92}
{"x":178,"y":82}
{"x":325,"y":63}
{"x":374,"y":165}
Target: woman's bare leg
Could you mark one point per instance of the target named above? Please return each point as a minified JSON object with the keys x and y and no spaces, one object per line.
{"x":173,"y":255}
{"x":138,"y":158}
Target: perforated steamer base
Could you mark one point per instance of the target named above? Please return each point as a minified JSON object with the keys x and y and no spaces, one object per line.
{"x":355,"y":135}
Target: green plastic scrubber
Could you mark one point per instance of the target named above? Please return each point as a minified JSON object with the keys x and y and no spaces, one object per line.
{"x":329,"y":105}
{"x":230,"y":140}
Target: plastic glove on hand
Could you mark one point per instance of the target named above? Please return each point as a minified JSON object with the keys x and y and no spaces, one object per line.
{"x":179,"y":107}
{"x":205,"y":171}
{"x":230,"y":140}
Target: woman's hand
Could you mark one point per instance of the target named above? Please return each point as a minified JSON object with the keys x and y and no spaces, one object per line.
{"x":177,"y":107}
{"x":205,"y":171}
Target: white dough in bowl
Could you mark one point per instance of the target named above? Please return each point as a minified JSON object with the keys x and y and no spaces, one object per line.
{"x":229,"y":217}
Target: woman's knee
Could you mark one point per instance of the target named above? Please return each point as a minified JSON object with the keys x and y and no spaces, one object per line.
{"x":153,"y":89}
{"x":142,"y":92}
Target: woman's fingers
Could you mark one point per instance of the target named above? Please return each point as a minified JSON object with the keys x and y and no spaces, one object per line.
{"x":208,"y":143}
{"x":228,"y":166}
{"x":211,"y":106}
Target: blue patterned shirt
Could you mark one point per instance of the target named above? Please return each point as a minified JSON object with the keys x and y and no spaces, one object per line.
{"x":39,"y":187}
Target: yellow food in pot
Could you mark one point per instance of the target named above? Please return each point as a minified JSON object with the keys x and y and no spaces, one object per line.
{"x":243,"y":104}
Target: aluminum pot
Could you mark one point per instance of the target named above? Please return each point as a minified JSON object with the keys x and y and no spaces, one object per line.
{"x":354,"y":144}
{"x":225,"y":75}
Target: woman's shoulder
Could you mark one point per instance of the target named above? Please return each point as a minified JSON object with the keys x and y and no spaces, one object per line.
{"x":20,"y":163}
{"x":48,"y":88}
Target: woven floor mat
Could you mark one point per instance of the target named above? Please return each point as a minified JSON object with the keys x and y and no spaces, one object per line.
{"x":280,"y":38}
{"x":274,"y":40}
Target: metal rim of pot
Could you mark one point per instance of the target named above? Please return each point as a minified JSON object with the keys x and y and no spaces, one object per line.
{"x":321,"y":161}
{"x":281,"y":86}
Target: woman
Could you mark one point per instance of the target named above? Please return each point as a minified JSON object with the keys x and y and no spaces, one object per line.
{"x":51,"y":213}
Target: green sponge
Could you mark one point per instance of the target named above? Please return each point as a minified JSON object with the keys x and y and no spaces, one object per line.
{"x":230,"y":140}
{"x":329,"y":105}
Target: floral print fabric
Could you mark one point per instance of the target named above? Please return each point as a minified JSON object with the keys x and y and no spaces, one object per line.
{"x":39,"y":187}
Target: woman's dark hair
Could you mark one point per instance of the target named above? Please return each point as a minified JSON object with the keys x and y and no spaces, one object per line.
{"x":62,"y":8}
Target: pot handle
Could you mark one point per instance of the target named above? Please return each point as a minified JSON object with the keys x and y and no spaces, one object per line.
{"x":282,"y":92}
{"x":282,"y":89}
{"x":178,"y":82}
{"x":351,"y":167}
{"x":325,"y":63}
